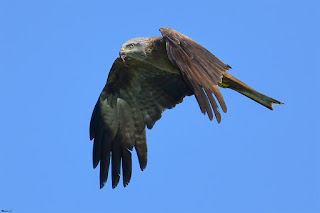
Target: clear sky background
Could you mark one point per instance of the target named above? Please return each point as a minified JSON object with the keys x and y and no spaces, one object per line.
{"x":54,"y":60}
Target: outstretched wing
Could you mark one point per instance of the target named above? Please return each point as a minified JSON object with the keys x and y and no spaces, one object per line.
{"x":134,"y":96}
{"x":200,"y":69}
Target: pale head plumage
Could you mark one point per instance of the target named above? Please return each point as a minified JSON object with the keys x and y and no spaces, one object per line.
{"x":135,"y":48}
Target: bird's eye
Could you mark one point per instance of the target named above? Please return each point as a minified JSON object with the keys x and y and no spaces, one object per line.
{"x":130,"y":46}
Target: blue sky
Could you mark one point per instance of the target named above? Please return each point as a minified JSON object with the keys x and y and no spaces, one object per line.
{"x":54,"y":60}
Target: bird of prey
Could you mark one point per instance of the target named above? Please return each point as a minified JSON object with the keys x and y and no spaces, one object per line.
{"x":151,"y":75}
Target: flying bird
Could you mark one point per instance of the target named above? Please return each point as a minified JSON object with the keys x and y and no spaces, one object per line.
{"x":151,"y":75}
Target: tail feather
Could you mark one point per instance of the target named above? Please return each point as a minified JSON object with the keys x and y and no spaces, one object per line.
{"x":231,"y":82}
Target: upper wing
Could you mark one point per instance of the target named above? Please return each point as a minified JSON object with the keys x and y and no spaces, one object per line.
{"x":200,"y":69}
{"x":134,"y":97}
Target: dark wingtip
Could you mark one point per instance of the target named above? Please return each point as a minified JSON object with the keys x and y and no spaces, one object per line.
{"x":115,"y":183}
{"x":126,"y":183}
{"x":95,"y":165}
{"x":126,"y":178}
{"x":91,"y":135}
{"x":95,"y":158}
{"x":101,"y":184}
{"x":143,"y":165}
{"x":115,"y":178}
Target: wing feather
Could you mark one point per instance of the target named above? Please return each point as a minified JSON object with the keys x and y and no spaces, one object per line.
{"x":104,"y":158}
{"x":214,"y":105}
{"x":134,"y":97}
{"x":141,"y":148}
{"x":97,"y":149}
{"x":198,"y":66}
{"x":116,"y":161}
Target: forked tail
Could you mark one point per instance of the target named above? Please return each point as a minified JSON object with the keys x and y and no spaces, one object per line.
{"x":231,"y":82}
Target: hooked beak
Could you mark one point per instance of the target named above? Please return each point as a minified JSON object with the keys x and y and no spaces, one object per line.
{"x":122,"y":54}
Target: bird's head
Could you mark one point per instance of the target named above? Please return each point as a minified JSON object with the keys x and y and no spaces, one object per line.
{"x":137,"y":48}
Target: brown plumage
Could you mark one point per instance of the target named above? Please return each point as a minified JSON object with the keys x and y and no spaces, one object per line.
{"x":151,"y":75}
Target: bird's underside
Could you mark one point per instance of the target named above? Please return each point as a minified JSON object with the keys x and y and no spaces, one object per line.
{"x":151,"y":75}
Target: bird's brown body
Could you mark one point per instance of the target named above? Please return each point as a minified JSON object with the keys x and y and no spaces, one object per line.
{"x":151,"y":75}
